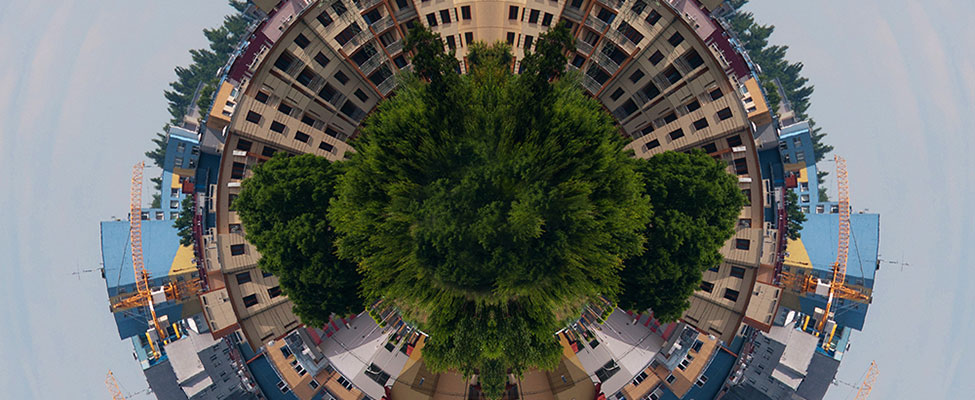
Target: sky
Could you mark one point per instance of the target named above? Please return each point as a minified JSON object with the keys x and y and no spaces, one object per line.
{"x":81,"y":87}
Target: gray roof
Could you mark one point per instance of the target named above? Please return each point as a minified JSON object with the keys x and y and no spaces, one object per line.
{"x":819,"y":376}
{"x":162,"y":381}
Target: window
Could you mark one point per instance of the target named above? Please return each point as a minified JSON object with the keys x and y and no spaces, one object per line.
{"x":629,"y":33}
{"x":285,"y":108}
{"x":748,"y":196}
{"x":510,"y":37}
{"x":324,"y":19}
{"x":707,"y":286}
{"x":327,"y":93}
{"x":313,"y":383}
{"x":745,"y":223}
{"x":701,"y":124}
{"x":694,"y":105}
{"x":741,"y":166}
{"x":341,"y":77}
{"x":325,"y":146}
{"x":250,"y":301}
{"x":575,"y":3}
{"x":253,"y":117}
{"x":547,"y":19}
{"x":301,"y":137}
{"x":284,"y":61}
{"x":274,"y":292}
{"x":636,"y":76}
{"x":676,"y":134}
{"x":451,"y":44}
{"x":307,"y":120}
{"x":629,"y":107}
{"x":528,"y":42}
{"x":331,"y":132}
{"x":800,"y":156}
{"x":339,"y":8}
{"x":361,"y":95}
{"x":737,"y":272}
{"x":713,"y":269}
{"x":724,"y":114}
{"x":533,"y":17}
{"x":742,"y":244}
{"x":616,"y":94}
{"x":243,"y":278}
{"x":261,"y":97}
{"x":650,"y":91}
{"x":445,"y":16}
{"x":468,"y":37}
{"x":306,"y":76}
{"x":465,"y":12}
{"x":671,"y":117}
{"x":731,"y":294}
{"x":237,"y":170}
{"x":513,"y":12}
{"x":804,"y":186}
{"x":701,"y":381}
{"x":345,"y":383}
{"x":710,"y":148}
{"x":653,"y":17}
{"x":302,"y":41}
{"x":236,"y":249}
{"x":804,"y":198}
{"x":348,"y":33}
{"x":675,"y":39}
{"x":321,"y":59}
{"x":351,"y":111}
{"x":820,"y":209}
{"x":578,"y":60}
{"x":605,"y":15}
{"x":693,"y":59}
{"x":277,"y":127}
{"x":671,"y":378}
{"x":651,"y":145}
{"x":734,"y":141}
{"x":672,"y":74}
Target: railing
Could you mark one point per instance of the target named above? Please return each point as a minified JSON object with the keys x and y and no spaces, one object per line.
{"x":395,"y":47}
{"x":583,"y":46}
{"x":595,"y":23}
{"x":387,"y":85}
{"x":366,"y":4}
{"x":372,"y":63}
{"x":382,"y":24}
{"x":607,"y":63}
{"x":590,"y":84}
{"x":356,"y":40}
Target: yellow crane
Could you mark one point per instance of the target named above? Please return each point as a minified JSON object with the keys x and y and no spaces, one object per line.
{"x":113,"y":386}
{"x":837,"y":287}
{"x":135,"y":238}
{"x":864,"y":392}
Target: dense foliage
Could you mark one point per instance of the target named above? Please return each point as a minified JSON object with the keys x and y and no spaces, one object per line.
{"x":695,"y":203}
{"x":490,"y":206}
{"x":754,"y":38}
{"x":184,"y":222}
{"x":283,"y":209}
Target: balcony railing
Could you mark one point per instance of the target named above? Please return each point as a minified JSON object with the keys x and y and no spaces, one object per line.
{"x":366,"y":4}
{"x":382,"y":24}
{"x":395,"y":47}
{"x":591,"y":85}
{"x":595,"y":23}
{"x":372,"y":63}
{"x":583,"y":46}
{"x":356,"y":40}
{"x":607,"y":63}
{"x":387,"y":85}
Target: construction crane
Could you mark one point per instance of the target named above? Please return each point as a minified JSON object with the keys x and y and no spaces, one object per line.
{"x":113,"y":386}
{"x":864,"y":392}
{"x":135,"y":238}
{"x":837,"y":287}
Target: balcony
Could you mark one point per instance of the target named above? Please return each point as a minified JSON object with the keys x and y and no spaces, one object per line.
{"x":583,"y":46}
{"x":387,"y":86}
{"x":395,"y":47}
{"x":366,"y":4}
{"x":356,"y":41}
{"x":372,"y":63}
{"x":607,"y":63}
{"x":595,"y":23}
{"x":591,"y":85}
{"x":382,"y":24}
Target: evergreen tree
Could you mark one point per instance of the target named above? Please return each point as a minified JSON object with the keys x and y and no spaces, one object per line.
{"x":184,"y":222}
{"x":794,"y":215}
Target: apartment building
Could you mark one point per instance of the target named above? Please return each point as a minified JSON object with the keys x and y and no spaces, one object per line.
{"x":312,"y":71}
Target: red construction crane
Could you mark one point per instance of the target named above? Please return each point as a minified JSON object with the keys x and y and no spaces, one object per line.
{"x":113,"y":386}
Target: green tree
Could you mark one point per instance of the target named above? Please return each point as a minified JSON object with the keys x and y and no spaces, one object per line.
{"x":794,"y":215}
{"x":696,"y":203}
{"x":184,"y":222}
{"x":283,"y":210}
{"x":489,"y":207}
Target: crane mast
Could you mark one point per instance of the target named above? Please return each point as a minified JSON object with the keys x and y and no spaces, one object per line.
{"x":838,"y":285}
{"x":113,"y":386}
{"x":864,"y":392}
{"x":135,"y":238}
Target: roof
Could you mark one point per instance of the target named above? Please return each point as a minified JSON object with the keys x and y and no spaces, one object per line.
{"x":186,"y":363}
{"x":822,"y":370}
{"x":820,"y":235}
{"x":161,"y":252}
{"x":162,"y":381}
{"x":796,"y":358}
{"x":184,"y":134}
{"x":796,"y":129}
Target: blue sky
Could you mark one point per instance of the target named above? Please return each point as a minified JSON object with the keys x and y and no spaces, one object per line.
{"x":81,"y":87}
